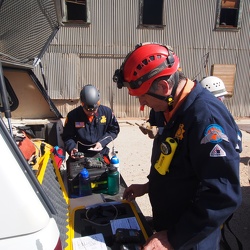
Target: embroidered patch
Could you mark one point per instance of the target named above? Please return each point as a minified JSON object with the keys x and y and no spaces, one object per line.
{"x":214,"y":134}
{"x":103,"y":119}
{"x":179,"y":133}
{"x":217,"y":151}
{"x":79,"y":124}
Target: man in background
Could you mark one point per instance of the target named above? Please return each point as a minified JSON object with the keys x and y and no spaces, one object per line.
{"x":216,"y":86}
{"x":89,"y":127}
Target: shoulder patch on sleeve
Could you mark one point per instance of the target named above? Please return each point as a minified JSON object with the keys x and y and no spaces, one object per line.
{"x":217,"y":151}
{"x":214,"y":133}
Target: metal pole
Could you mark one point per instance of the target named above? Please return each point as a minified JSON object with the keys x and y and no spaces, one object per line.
{"x":6,"y":105}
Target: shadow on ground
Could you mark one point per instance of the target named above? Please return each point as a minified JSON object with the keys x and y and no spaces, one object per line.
{"x":240,"y":223}
{"x":245,"y":160}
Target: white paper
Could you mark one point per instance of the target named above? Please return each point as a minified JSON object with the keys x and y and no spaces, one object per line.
{"x":95,"y":149}
{"x":91,"y":242}
{"x":127,"y":223}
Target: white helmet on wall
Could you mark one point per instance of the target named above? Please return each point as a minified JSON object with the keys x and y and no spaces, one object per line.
{"x":215,"y":85}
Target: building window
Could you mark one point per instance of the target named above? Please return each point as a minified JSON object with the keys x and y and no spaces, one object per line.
{"x":151,"y":13}
{"x":229,"y":14}
{"x":76,"y":11}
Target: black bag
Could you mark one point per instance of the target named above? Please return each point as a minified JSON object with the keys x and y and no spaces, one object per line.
{"x":94,"y":166}
{"x":97,"y":169}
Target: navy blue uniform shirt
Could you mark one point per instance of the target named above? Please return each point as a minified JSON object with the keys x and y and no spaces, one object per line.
{"x":202,"y":188}
{"x":156,"y":118}
{"x":80,"y":133}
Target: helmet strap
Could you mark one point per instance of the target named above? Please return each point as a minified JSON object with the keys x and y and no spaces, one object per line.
{"x":173,"y":92}
{"x":170,"y":98}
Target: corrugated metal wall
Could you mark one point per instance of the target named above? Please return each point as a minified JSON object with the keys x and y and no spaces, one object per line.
{"x":82,"y":55}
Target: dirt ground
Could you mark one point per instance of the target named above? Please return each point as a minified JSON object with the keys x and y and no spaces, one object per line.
{"x":134,"y":151}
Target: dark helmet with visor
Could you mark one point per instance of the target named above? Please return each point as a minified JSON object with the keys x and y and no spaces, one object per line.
{"x":90,"y":97}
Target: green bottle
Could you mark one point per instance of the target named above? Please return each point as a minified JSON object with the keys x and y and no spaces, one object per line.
{"x":113,"y":181}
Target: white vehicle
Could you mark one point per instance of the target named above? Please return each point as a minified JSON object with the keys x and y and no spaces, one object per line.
{"x":36,"y":212}
{"x":26,"y":212}
{"x":33,"y":212}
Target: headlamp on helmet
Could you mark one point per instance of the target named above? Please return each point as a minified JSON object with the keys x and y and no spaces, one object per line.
{"x":118,"y":78}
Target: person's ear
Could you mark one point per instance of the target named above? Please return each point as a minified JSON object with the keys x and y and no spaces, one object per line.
{"x":163,"y":87}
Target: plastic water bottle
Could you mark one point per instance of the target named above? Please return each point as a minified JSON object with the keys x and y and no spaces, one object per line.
{"x":114,"y":162}
{"x":84,"y":183}
{"x":113,"y":181}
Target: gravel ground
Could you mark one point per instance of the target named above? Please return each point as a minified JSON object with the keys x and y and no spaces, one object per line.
{"x":134,"y":151}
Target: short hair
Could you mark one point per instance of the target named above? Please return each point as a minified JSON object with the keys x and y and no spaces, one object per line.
{"x":170,"y":79}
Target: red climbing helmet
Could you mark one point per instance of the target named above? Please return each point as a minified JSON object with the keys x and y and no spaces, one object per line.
{"x":147,"y":62}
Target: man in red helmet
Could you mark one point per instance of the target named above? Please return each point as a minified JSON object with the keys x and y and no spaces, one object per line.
{"x":193,"y":184}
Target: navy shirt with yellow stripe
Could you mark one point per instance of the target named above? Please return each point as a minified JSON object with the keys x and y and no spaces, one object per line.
{"x":80,"y":133}
{"x":201,"y":189}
